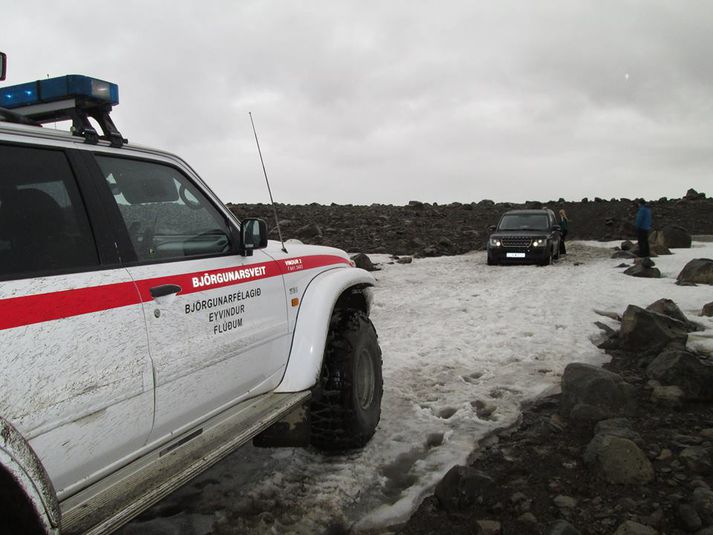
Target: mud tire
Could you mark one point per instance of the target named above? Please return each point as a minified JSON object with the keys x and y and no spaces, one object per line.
{"x":346,"y":406}
{"x":16,"y":514}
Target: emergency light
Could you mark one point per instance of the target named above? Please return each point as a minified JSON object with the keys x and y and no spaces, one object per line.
{"x":72,"y":97}
{"x":60,"y":88}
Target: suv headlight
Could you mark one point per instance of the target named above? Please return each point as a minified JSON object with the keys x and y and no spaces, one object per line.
{"x":539,"y":242}
{"x":494,"y":242}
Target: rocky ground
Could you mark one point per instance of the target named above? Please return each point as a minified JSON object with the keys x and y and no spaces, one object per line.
{"x":429,"y":229}
{"x":627,"y":451}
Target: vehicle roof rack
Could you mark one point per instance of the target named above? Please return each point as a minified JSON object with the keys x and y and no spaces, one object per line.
{"x":72,"y":97}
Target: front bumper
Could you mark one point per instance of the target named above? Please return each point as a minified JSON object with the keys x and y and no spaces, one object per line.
{"x":518,"y":255}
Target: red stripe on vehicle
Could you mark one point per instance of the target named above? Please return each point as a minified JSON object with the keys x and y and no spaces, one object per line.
{"x":31,"y":309}
{"x":26,"y":310}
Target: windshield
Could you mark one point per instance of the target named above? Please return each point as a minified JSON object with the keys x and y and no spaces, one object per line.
{"x":523,"y":222}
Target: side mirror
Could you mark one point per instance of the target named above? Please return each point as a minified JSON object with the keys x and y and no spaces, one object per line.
{"x":491,"y":228}
{"x":3,"y":65}
{"x":556,"y":228}
{"x":253,"y":235}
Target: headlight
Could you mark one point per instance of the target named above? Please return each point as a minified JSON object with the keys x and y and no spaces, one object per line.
{"x":494,"y":242}
{"x":539,"y":242}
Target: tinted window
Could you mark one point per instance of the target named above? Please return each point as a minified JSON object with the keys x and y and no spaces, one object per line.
{"x":523,"y":222}
{"x":43,"y":223}
{"x":166,"y":216}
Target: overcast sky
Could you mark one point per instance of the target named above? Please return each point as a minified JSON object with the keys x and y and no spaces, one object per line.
{"x":390,"y":101}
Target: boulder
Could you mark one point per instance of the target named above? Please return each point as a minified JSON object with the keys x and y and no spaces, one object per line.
{"x":464,"y":487}
{"x":693,"y":195}
{"x":707,"y":309}
{"x":697,"y":459}
{"x":658,"y":250}
{"x":639,"y":270}
{"x":668,"y":308}
{"x":429,"y":251}
{"x":666,"y":395}
{"x":619,"y":460}
{"x":697,"y":271}
{"x":647,"y":331}
{"x":404,"y":260}
{"x":626,"y":245}
{"x":692,"y":374}
{"x":624,"y":253}
{"x":364,"y":262}
{"x":671,"y":237}
{"x":618,"y":427}
{"x":309,"y":231}
{"x":591,"y":393}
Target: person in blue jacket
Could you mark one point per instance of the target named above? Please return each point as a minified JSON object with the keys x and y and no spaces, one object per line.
{"x":643,"y":226}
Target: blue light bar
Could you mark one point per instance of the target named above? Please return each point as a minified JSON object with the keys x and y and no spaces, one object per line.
{"x":58,"y":89}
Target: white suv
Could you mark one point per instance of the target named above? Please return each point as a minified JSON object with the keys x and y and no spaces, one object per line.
{"x":146,"y":332}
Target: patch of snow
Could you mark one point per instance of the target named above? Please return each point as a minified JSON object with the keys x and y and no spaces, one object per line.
{"x":453,"y":332}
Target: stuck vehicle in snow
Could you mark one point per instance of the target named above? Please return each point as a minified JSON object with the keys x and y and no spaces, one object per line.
{"x":524,"y":237}
{"x":146,"y":333}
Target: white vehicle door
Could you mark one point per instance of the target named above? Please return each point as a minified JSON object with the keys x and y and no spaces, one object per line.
{"x":77,"y":381}
{"x":217,"y":321}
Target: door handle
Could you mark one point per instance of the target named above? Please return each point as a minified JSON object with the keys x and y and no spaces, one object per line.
{"x":164,"y":290}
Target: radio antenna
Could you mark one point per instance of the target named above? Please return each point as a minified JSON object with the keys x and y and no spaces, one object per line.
{"x":264,"y":172}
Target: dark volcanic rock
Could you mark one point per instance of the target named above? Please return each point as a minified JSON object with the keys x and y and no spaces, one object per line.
{"x":619,"y":459}
{"x":698,"y":271}
{"x":646,"y":331}
{"x":624,"y":253}
{"x":671,"y":237}
{"x":463,"y":488}
{"x":364,"y":262}
{"x":692,"y":374}
{"x":639,"y":270}
{"x":590,"y":393}
{"x":693,"y":195}
{"x":392,"y":229}
{"x":707,"y":309}
{"x":668,"y":308}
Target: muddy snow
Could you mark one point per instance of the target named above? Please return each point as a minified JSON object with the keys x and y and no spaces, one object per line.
{"x":464,"y":344}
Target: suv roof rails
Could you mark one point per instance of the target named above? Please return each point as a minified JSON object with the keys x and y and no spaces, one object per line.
{"x":72,"y":97}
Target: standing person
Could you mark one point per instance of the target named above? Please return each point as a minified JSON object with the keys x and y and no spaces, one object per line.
{"x":563,"y":222}
{"x":643,"y":226}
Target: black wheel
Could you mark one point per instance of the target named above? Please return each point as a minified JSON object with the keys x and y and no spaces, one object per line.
{"x":16,"y":514}
{"x":548,"y":259}
{"x":491,"y":261}
{"x":347,"y":403}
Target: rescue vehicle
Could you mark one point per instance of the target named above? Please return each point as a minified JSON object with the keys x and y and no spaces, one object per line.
{"x":145,"y":331}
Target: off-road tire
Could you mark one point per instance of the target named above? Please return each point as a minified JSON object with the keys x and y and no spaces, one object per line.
{"x":16,"y":514}
{"x":491,"y":261}
{"x":346,"y":406}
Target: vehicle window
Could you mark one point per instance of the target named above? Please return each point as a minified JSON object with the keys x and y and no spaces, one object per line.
{"x":523,"y":222}
{"x":166,"y":216}
{"x":43,"y":223}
